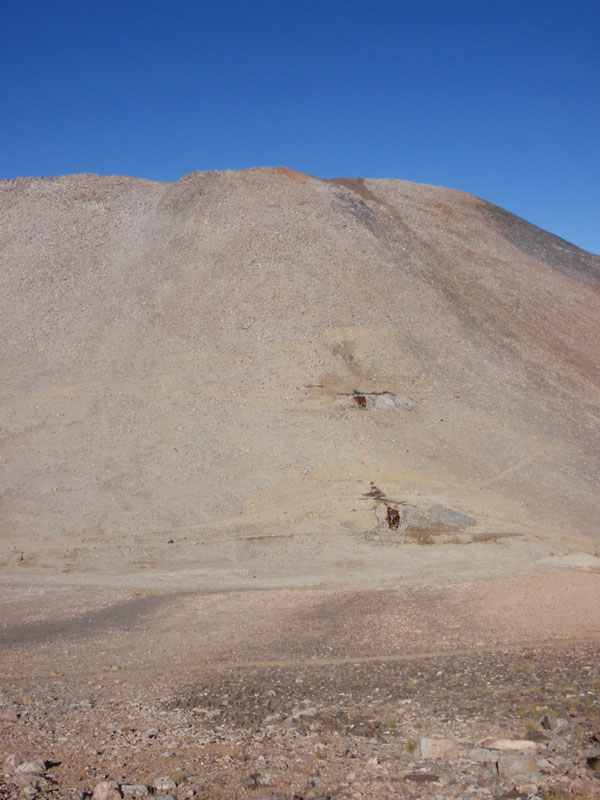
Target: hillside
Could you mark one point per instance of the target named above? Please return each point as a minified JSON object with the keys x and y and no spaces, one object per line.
{"x":235,"y":361}
{"x":299,"y":493}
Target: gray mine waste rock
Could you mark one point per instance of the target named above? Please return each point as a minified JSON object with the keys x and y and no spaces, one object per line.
{"x":179,"y":362}
{"x":435,"y":518}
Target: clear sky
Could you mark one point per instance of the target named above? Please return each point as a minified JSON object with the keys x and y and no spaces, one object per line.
{"x":500,"y":98}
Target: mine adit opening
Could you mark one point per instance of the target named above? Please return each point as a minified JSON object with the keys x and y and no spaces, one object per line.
{"x":393,"y":517}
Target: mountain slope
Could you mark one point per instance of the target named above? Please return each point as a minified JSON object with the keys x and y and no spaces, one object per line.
{"x":180,"y":360}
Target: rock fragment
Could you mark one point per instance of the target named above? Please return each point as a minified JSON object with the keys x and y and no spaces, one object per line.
{"x":25,"y":779}
{"x":11,"y":762}
{"x":511,"y":764}
{"x":35,"y":767}
{"x":421,"y":777}
{"x":483,"y":756}
{"x":548,"y":722}
{"x":133,"y":791}
{"x":107,"y":790}
{"x":558,"y":744}
{"x":438,"y":749}
{"x":164,"y":785}
{"x":510,"y":744}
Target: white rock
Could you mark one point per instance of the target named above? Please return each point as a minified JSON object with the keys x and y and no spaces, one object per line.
{"x":11,"y":762}
{"x":164,"y":784}
{"x":438,"y":749}
{"x":134,"y":790}
{"x":304,"y":712}
{"x":512,"y":744}
{"x":107,"y":790}
{"x":24,"y":779}
{"x":483,"y":756}
{"x":388,"y":400}
{"x":510,"y":764}
{"x":37,"y":767}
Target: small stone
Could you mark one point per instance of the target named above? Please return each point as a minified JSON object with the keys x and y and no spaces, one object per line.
{"x":421,"y":777}
{"x":483,"y":756}
{"x":545,"y":766}
{"x":558,"y":744}
{"x":11,"y":762}
{"x":107,"y":790}
{"x":134,"y":790}
{"x":510,"y":764}
{"x":304,"y":712}
{"x":164,"y":785}
{"x":25,"y":779}
{"x":548,"y":722}
{"x":37,"y":767}
{"x":527,"y":788}
{"x":188,"y":792}
{"x":438,"y":749}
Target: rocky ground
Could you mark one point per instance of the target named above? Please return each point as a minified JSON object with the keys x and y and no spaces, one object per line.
{"x":268,"y":714}
{"x":500,"y":724}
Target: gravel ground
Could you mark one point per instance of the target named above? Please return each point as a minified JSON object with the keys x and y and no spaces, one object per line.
{"x":312,"y":694}
{"x":353,"y":730}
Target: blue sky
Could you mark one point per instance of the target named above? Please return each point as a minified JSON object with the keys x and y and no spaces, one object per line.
{"x":500,"y":98}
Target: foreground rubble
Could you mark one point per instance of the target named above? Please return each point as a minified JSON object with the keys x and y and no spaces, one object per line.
{"x":505,"y":724}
